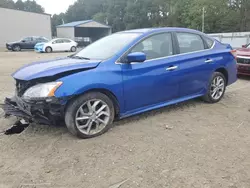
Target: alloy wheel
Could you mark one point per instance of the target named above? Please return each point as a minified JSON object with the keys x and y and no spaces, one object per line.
{"x":217,"y":87}
{"x":92,"y":117}
{"x":17,"y":48}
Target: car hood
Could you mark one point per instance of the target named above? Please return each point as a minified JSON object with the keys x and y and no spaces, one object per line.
{"x":53,"y":67}
{"x":243,"y":52}
{"x":10,"y":43}
{"x":40,"y":43}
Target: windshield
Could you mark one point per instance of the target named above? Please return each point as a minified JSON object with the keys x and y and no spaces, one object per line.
{"x":248,"y":46}
{"x":107,"y":46}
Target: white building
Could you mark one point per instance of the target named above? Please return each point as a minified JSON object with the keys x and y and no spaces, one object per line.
{"x":16,"y":24}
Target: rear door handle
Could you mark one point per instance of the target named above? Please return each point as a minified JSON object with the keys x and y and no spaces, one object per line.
{"x":209,"y":61}
{"x":171,"y":68}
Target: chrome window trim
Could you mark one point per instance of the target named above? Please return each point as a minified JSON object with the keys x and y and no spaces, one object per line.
{"x":117,"y":61}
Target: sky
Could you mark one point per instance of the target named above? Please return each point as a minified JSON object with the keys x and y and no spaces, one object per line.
{"x":55,"y":6}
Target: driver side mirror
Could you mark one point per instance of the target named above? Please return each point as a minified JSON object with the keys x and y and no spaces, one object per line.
{"x":23,"y":41}
{"x":138,"y":57}
{"x":244,"y":46}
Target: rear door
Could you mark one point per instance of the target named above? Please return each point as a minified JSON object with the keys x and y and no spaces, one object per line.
{"x":195,"y":65}
{"x":35,"y":40}
{"x":57,"y":45}
{"x":66,"y":44}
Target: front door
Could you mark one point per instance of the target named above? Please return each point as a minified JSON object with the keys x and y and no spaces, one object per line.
{"x":154,"y":81}
{"x":26,"y":43}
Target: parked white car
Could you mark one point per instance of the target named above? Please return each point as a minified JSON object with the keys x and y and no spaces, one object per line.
{"x":56,"y":45}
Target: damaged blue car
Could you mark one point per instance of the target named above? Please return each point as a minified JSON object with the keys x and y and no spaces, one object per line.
{"x":121,"y":75}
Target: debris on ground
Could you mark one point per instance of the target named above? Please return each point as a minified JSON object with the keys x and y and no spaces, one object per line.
{"x":17,"y":128}
{"x":1,"y":112}
{"x":240,"y":125}
{"x":169,"y":127}
{"x":118,"y":185}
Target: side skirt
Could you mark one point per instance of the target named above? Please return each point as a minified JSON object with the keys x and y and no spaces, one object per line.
{"x":156,"y":106}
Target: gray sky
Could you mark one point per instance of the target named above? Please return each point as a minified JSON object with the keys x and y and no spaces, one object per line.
{"x":55,"y":6}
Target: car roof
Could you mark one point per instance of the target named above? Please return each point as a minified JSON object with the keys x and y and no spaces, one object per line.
{"x":161,"y":29}
{"x":60,"y":38}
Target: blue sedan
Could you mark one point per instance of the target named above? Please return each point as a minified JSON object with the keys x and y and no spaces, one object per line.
{"x":121,"y":75}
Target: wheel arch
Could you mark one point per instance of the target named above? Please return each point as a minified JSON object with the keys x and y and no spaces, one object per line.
{"x":223,"y":71}
{"x":104,"y":91}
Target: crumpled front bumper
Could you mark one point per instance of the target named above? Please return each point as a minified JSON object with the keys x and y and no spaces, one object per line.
{"x":40,"y":112}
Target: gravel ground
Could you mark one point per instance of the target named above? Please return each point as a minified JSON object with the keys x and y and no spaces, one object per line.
{"x":191,"y":144}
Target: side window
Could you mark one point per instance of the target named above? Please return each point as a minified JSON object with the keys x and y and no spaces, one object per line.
{"x":189,"y":42}
{"x":41,"y":39}
{"x":58,"y":41}
{"x":28,"y":39}
{"x":209,"y":42}
{"x":66,"y":41}
{"x":156,"y":46}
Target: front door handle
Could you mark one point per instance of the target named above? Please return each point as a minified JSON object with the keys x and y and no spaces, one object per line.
{"x":171,"y":68}
{"x":209,"y":61}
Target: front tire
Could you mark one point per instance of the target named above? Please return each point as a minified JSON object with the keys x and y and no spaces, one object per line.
{"x":48,"y":49}
{"x":216,"y":88}
{"x":90,"y":115}
{"x":16,"y":48}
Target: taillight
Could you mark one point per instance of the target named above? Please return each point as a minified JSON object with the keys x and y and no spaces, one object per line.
{"x":234,"y":53}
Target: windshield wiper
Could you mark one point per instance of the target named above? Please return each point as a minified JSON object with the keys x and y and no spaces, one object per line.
{"x":78,"y":57}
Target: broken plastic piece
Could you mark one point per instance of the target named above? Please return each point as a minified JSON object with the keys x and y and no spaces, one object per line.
{"x":18,"y":127}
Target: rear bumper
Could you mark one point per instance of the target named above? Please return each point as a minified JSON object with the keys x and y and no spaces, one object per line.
{"x":40,"y":112}
{"x":243,"y":69}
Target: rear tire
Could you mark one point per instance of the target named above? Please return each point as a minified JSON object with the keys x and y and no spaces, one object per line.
{"x":89,"y":115}
{"x":216,"y":88}
{"x":73,"y":49}
{"x":48,"y":49}
{"x":16,"y":48}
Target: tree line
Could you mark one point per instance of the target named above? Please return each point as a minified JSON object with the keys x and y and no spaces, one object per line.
{"x":219,"y":15}
{"x":29,"y":6}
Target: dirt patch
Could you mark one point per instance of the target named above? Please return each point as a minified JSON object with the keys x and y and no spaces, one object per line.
{"x":192,"y":144}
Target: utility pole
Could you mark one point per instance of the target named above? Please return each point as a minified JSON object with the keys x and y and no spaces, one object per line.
{"x":203,"y":19}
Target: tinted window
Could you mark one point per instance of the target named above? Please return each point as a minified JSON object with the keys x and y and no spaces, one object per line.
{"x":66,"y":41}
{"x":28,"y":39}
{"x":156,"y":46}
{"x":189,"y":42}
{"x":209,"y":42}
{"x":107,"y":46}
{"x":58,"y":41}
{"x":42,"y":39}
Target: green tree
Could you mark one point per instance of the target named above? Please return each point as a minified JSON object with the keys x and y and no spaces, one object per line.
{"x":32,"y":6}
{"x":19,"y":5}
{"x":29,"y":5}
{"x":57,"y":19}
{"x":7,"y":4}
{"x":220,"y":15}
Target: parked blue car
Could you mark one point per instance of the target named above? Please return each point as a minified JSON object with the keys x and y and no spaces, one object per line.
{"x":123,"y":74}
